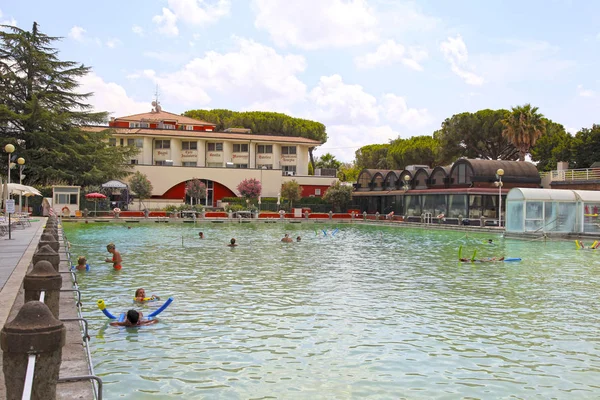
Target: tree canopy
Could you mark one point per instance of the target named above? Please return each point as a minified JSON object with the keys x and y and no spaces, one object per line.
{"x":328,"y":160}
{"x":141,"y":186}
{"x":523,"y":127}
{"x":41,"y":114}
{"x":585,"y":147}
{"x":263,"y":123}
{"x":553,"y":146}
{"x":475,"y":135}
{"x":291,"y":191}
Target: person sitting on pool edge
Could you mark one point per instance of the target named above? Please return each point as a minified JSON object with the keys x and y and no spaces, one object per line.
{"x":232,"y":243}
{"x":287,"y":239}
{"x":134,"y":318}
{"x":116,"y":259}
{"x":140,"y":295}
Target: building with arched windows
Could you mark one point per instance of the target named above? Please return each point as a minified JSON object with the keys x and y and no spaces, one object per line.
{"x":466,"y":190}
{"x":173,"y":149}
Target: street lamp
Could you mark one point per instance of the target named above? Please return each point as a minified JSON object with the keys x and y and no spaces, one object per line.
{"x":406,"y":182}
{"x":21,"y":162}
{"x":9,"y":148}
{"x":498,"y":183}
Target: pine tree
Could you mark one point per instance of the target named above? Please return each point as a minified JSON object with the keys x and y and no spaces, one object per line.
{"x":41,"y":113}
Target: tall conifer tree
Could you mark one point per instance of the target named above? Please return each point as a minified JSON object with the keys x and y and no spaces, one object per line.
{"x":42,"y":114}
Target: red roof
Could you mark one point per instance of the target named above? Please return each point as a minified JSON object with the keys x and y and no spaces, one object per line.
{"x":163,"y":116}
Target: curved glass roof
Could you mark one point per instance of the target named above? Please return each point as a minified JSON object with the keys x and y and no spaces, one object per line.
{"x":531,"y":194}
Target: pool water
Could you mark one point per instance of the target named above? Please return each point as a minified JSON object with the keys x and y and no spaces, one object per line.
{"x":369,"y":312}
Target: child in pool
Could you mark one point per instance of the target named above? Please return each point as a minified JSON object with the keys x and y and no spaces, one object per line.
{"x":140,"y":295}
{"x":134,"y":318}
{"x":82,"y":264}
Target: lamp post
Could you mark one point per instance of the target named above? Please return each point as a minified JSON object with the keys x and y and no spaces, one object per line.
{"x":21,"y":162}
{"x":9,"y":148}
{"x":499,"y":174}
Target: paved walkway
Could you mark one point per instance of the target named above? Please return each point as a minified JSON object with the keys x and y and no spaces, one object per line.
{"x":15,"y":257}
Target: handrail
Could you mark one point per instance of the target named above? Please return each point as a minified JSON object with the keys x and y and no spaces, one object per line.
{"x":583,"y":174}
{"x":78,"y":295}
{"x":85,"y":378}
{"x":86,"y":335}
{"x":97,"y":389}
{"x":29,"y":374}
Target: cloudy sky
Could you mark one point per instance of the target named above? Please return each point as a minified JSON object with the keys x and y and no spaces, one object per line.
{"x":370,"y":70}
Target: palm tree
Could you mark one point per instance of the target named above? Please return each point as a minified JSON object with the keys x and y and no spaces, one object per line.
{"x":523,"y":127}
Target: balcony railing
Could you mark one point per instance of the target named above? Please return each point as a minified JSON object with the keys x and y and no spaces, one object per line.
{"x":587,"y":174}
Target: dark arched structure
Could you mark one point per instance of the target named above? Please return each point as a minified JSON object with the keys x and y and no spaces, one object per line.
{"x":439,"y":177}
{"x":466,"y":190}
{"x":421,"y":178}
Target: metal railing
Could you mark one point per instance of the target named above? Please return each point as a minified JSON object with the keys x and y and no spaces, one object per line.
{"x":28,"y":385}
{"x":586,"y":174}
{"x":83,"y":324}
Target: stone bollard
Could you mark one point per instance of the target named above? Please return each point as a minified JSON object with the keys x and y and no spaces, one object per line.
{"x":330,"y":215}
{"x":377,"y":216}
{"x":33,"y":331}
{"x":43,"y":276}
{"x":49,"y":240}
{"x":53,"y":232}
{"x":46,"y":253}
{"x":364,"y":215}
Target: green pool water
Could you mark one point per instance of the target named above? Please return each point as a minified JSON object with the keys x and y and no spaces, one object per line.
{"x":371,"y":312}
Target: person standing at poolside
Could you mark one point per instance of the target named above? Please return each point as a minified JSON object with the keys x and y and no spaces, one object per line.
{"x":116,"y":259}
{"x":287,"y":239}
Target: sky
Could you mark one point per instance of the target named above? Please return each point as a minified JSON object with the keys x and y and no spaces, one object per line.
{"x":370,"y":70}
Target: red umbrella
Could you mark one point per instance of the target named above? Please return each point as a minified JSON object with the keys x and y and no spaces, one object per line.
{"x":95,"y":196}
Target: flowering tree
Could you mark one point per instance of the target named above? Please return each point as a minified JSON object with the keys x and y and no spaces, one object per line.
{"x":196,"y":189}
{"x":250,"y":188}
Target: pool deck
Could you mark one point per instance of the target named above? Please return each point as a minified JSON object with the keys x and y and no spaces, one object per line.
{"x":15,"y":261}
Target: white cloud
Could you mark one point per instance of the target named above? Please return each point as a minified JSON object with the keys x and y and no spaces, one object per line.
{"x":314,"y":24}
{"x":112,"y":43}
{"x":111,"y":97}
{"x":585,"y":92}
{"x":11,"y":21}
{"x":455,"y":52}
{"x":167,"y":22}
{"x":138,"y":30}
{"x":524,"y":62}
{"x":337,"y":102}
{"x":396,"y":110}
{"x":253,"y":73}
{"x":343,"y":140}
{"x":77,"y":33}
{"x":194,"y":12}
{"x":390,"y":52}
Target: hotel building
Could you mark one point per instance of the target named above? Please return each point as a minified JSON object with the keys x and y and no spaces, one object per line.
{"x":174,"y":149}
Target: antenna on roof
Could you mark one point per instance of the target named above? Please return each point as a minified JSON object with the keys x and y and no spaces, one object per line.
{"x":155,"y":103}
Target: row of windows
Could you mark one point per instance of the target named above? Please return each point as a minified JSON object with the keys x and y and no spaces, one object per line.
{"x":211,"y":146}
{"x":291,"y":169}
{"x":161,"y":125}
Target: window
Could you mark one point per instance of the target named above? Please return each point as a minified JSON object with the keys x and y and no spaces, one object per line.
{"x":186,"y":127}
{"x":65,"y":198}
{"x":265,"y":166}
{"x":162,"y":144}
{"x":112,"y":141}
{"x":240,"y":165}
{"x":240,"y":147}
{"x":190,"y":164}
{"x":133,"y":162}
{"x":289,"y":170}
{"x":163,"y":162}
{"x":317,"y":192}
{"x":139,"y":125}
{"x":139,"y":143}
{"x":166,"y":126}
{"x":122,"y":142}
{"x":265,"y":149}
{"x":215,"y":146}
{"x":288,"y":150}
{"x":189,"y":145}
{"x":214,"y":165}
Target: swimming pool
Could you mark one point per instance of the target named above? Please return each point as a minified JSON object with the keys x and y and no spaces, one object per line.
{"x":377,"y":312}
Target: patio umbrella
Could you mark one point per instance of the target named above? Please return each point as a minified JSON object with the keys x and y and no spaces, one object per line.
{"x":95,"y":196}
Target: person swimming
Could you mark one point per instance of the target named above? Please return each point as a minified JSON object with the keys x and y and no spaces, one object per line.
{"x":134,"y":318}
{"x":201,"y":235}
{"x":82,"y":264}
{"x":287,"y":239}
{"x":140,"y":295}
{"x":232,"y":243}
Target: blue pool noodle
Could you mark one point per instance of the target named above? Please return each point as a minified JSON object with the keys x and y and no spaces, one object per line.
{"x":161,"y":309}
{"x":334,"y":232}
{"x":108,"y":314}
{"x":122,"y":317}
